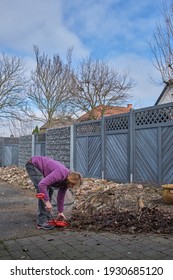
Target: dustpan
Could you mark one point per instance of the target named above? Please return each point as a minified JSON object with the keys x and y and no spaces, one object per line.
{"x":58,"y":223}
{"x":53,"y":222}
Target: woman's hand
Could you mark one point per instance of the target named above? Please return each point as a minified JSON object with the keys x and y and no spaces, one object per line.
{"x":61,"y":216}
{"x":48,"y":205}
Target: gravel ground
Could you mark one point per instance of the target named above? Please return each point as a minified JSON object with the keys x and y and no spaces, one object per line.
{"x":17,"y":212}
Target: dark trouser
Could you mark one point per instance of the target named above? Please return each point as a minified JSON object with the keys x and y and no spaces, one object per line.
{"x":35,"y":175}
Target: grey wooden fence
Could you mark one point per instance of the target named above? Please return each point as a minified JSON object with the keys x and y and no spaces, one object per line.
{"x":9,"y":151}
{"x":40,"y":144}
{"x":132,"y":147}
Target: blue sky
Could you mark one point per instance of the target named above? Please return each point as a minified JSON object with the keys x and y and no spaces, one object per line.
{"x":116,"y":30}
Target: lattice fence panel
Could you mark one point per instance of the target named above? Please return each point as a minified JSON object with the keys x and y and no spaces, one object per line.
{"x":88,"y":128}
{"x":116,"y":123}
{"x":156,"y":115}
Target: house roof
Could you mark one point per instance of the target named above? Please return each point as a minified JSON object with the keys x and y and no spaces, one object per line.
{"x":96,"y":112}
{"x":100,"y":110}
{"x":59,"y":122}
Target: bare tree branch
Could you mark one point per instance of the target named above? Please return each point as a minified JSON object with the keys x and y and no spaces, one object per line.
{"x":49,"y":85}
{"x":12,"y":86}
{"x":161,"y":44}
{"x":96,"y":83}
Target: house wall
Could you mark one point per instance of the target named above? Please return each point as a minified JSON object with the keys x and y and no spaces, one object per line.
{"x":167,"y":96}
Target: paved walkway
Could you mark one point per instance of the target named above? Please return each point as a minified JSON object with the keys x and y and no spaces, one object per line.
{"x":89,"y":246}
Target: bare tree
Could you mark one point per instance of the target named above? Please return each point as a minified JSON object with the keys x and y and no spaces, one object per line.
{"x":49,"y":92}
{"x":96,"y":83}
{"x":16,"y":127}
{"x":162,"y":44}
{"x":12,"y":85}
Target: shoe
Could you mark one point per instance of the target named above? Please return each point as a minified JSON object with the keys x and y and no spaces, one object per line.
{"x":45,"y":226}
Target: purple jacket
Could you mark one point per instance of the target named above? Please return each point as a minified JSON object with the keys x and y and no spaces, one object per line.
{"x":53,"y":172}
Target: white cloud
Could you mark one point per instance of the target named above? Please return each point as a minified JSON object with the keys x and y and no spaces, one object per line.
{"x":145,"y":93}
{"x":115,"y":29}
{"x":24,"y":23}
{"x":112,"y":21}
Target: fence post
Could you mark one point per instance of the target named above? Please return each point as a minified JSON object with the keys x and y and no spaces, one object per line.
{"x":159,"y":156}
{"x":103,"y":147}
{"x":3,"y":152}
{"x":33,"y":145}
{"x":72,"y":147}
{"x":131,"y":146}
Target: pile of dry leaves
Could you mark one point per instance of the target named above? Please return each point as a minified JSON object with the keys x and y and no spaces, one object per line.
{"x":121,"y":208}
{"x":102,"y":205}
{"x":16,"y":176}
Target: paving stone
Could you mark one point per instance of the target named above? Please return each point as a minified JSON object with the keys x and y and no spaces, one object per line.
{"x":168,"y":251}
{"x":55,"y":255}
{"x":102,"y":248}
{"x":113,"y":255}
{"x":4,"y":253}
{"x":92,"y":255}
{"x":74,"y":255}
{"x":64,"y":248}
{"x":82,"y":247}
{"x":36,"y":255}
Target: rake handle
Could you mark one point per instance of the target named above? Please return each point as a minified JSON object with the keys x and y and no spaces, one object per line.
{"x":42,"y":196}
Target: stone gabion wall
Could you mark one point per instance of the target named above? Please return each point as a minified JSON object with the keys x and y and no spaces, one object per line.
{"x":25,"y":149}
{"x":58,"y":144}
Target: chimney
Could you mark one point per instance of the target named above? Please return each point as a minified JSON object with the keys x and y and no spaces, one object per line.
{"x":129,"y":106}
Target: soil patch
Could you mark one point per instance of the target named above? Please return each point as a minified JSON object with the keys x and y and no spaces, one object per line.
{"x":122,"y":208}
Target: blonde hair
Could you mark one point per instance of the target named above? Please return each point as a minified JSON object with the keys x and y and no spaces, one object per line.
{"x":75,"y":178}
